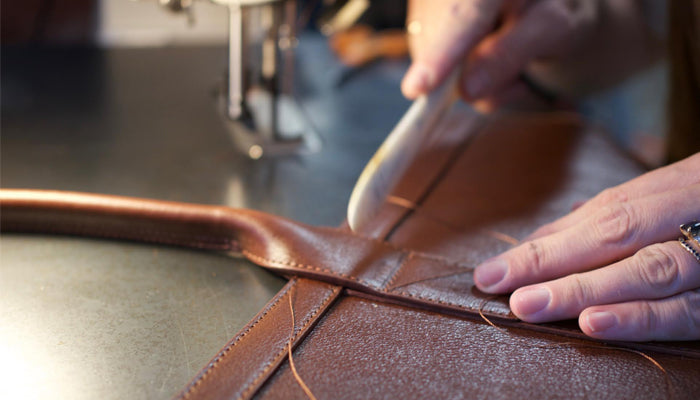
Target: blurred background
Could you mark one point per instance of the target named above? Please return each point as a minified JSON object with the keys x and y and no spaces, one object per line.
{"x":633,"y":111}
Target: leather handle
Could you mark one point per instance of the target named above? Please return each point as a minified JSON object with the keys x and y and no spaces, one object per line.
{"x":274,"y":242}
{"x":339,"y":257}
{"x":332,"y":255}
{"x":198,"y":226}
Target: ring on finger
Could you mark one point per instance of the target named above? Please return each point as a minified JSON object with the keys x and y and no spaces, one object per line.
{"x":691,"y":238}
{"x":689,"y":248}
{"x":691,"y":231}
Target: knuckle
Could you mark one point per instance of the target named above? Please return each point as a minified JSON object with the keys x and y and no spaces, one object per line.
{"x":649,"y":321}
{"x":533,"y":258}
{"x":611,"y":196}
{"x":615,"y":224}
{"x":658,"y":269}
{"x":580,"y":292}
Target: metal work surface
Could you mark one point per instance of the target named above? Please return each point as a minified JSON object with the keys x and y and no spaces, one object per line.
{"x":85,"y":318}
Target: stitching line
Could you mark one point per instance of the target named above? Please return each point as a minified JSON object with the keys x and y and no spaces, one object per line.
{"x":192,"y":386}
{"x":310,"y":318}
{"x":170,"y":238}
{"x":443,"y":302}
{"x":392,"y":278}
{"x":392,"y":245}
{"x":433,"y":300}
{"x":393,"y":288}
{"x":209,"y":242}
{"x":197,"y":241}
{"x":261,"y":259}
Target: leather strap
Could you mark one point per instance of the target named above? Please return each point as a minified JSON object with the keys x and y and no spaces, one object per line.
{"x":335,"y":256}
{"x":263,"y":344}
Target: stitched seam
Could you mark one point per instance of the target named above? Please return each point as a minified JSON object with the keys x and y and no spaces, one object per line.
{"x":159,"y":235}
{"x":394,"y":246}
{"x":165,"y":236}
{"x":393,"y":276}
{"x":310,"y":318}
{"x":142,"y":234}
{"x":311,"y":267}
{"x":441,"y":259}
{"x":87,"y":228}
{"x":428,"y":279}
{"x":192,"y":386}
{"x":205,"y":241}
{"x":293,"y":264}
{"x":226,"y":243}
{"x":442,"y":302}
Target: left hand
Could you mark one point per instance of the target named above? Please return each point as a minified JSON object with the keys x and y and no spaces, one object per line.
{"x":614,"y":262}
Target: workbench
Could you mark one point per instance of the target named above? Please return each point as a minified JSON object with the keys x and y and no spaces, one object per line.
{"x":87,"y":318}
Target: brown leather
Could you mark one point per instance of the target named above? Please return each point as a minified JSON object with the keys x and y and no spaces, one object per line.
{"x":270,"y":331}
{"x":408,"y":323}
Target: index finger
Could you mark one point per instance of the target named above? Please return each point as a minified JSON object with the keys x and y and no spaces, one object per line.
{"x":443,"y":32}
{"x":611,"y":233}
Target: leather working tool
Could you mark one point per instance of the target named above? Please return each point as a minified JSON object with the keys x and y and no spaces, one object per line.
{"x":391,"y":311}
{"x":387,"y":166}
{"x":424,"y":125}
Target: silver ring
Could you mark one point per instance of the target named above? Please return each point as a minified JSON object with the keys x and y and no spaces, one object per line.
{"x":691,"y":231}
{"x":690,"y":249}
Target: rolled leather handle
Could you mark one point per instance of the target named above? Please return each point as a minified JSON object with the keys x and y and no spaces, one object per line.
{"x":286,"y":246}
{"x":198,"y":226}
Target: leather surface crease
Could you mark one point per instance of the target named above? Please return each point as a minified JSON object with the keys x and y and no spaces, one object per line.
{"x":392,"y":311}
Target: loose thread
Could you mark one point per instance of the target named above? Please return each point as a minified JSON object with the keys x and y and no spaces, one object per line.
{"x":503,"y":237}
{"x":488,"y":321}
{"x":297,"y":377}
{"x":667,"y":376}
{"x":401,"y":202}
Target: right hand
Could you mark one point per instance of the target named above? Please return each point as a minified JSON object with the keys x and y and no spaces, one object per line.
{"x":495,"y":39}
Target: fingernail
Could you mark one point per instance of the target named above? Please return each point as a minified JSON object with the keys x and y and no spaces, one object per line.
{"x":490,"y":272}
{"x":418,"y":80}
{"x":478,"y":81}
{"x":601,"y":321}
{"x":530,"y":301}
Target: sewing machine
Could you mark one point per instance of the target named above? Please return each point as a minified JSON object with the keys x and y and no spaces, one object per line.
{"x":256,"y":99}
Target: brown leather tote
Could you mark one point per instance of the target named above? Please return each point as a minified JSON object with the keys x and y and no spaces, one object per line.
{"x":392,"y":312}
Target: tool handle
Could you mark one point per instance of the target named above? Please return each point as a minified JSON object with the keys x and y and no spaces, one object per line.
{"x":395,"y":155}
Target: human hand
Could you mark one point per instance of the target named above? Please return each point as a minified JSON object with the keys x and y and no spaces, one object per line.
{"x":496,"y":39}
{"x":613,"y":262}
